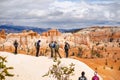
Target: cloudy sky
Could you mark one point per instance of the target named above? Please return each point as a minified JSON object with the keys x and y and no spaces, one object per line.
{"x":60,"y":13}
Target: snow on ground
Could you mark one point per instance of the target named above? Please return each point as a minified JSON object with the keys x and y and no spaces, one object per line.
{"x":33,"y":68}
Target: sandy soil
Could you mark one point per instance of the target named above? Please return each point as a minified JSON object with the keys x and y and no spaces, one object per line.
{"x":111,"y":71}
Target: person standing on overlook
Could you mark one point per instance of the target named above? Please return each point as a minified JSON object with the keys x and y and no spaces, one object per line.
{"x":37,"y":47}
{"x":52,"y":46}
{"x":82,"y":76}
{"x":16,"y":46}
{"x":66,"y":48}
{"x":57,"y":50}
{"x":95,"y":77}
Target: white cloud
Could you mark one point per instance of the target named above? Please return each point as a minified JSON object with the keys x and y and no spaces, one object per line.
{"x":37,"y":13}
{"x":61,"y":13}
{"x":83,"y":10}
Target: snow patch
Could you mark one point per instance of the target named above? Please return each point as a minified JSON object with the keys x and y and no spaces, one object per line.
{"x":33,"y":68}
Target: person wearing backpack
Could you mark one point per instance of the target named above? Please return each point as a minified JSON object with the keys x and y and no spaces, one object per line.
{"x":16,"y":46}
{"x":66,"y":48}
{"x":57,"y":50}
{"x":95,"y":77}
{"x":52,"y":48}
{"x":37,"y":47}
{"x":82,"y":76}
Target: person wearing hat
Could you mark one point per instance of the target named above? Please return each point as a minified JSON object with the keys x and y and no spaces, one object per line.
{"x":95,"y":77}
{"x":38,"y":48}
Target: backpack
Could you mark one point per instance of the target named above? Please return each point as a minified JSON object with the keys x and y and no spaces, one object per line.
{"x":67,"y":46}
{"x":56,"y":46}
{"x":37,"y":44}
{"x":15,"y":44}
{"x":53,"y":45}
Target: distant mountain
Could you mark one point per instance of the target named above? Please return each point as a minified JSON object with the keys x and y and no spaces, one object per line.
{"x":17,"y":29}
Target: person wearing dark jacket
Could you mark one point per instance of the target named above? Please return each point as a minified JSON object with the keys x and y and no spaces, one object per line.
{"x":16,"y":46}
{"x":66,"y":48}
{"x":82,"y":76}
{"x":38,"y":48}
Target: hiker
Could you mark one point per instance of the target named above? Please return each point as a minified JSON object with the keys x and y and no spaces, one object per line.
{"x":15,"y":45}
{"x":66,"y":48}
{"x":52,"y":46}
{"x":82,"y":76}
{"x":57,"y":50}
{"x":95,"y":77}
{"x":37,"y":47}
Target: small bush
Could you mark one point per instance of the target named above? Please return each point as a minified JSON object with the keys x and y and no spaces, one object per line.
{"x":118,"y":58}
{"x":106,"y":63}
{"x":111,"y":67}
{"x":104,"y":67}
{"x":108,"y":54}
{"x":98,"y":55}
{"x":119,"y":68}
{"x":60,"y":72}
{"x":102,"y":48}
{"x":115,"y":61}
{"x":96,"y":68}
{"x":115,"y":53}
{"x":4,"y":69}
